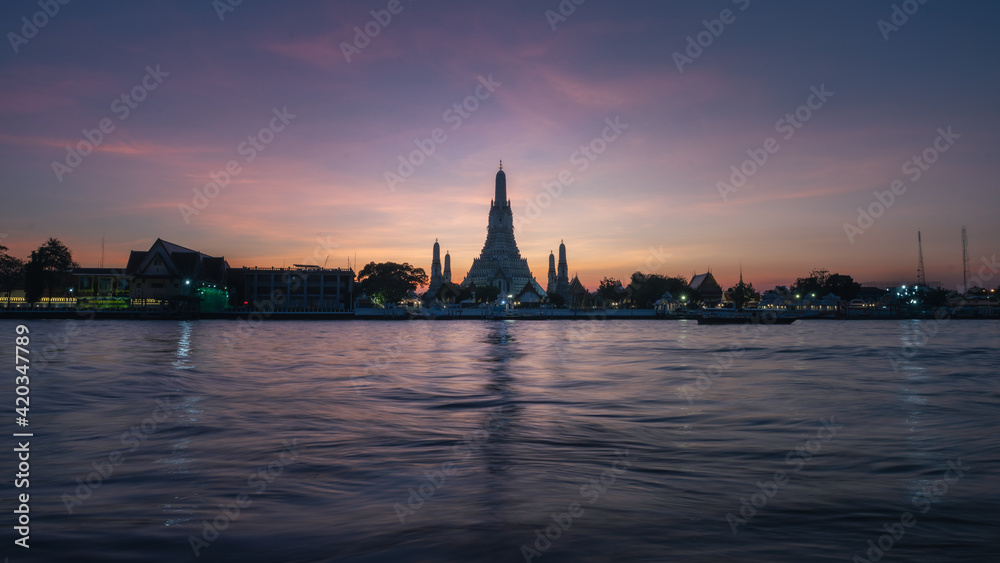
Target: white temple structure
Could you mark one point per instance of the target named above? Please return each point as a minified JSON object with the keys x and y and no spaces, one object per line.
{"x":500,"y":263}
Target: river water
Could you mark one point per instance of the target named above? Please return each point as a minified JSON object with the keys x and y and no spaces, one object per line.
{"x":545,"y":441}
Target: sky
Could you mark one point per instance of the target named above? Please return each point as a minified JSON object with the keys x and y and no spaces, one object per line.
{"x":664,"y":137}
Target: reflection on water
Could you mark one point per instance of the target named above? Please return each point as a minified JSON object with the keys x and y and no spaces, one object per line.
{"x":184,"y":345}
{"x":459,"y":440}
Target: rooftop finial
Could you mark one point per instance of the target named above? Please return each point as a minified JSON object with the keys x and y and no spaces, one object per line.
{"x":501,"y":164}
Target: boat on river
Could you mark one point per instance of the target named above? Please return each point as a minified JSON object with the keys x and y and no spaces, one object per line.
{"x":745,"y":316}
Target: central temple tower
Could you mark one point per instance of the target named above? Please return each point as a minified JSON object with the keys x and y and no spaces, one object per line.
{"x":500,"y":263}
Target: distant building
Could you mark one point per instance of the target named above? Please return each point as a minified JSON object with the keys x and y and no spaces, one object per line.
{"x":100,"y":288}
{"x":529,"y":295}
{"x":666,"y":304}
{"x":303,"y":287}
{"x":170,"y":273}
{"x":772,"y":299}
{"x":707,"y":287}
{"x":578,"y":295}
{"x":870,"y":295}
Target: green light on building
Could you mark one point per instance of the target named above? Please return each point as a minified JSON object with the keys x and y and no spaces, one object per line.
{"x":212,"y":299}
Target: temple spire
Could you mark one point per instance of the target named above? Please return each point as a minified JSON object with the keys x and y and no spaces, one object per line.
{"x":500,"y":196}
{"x":500,"y":263}
{"x":562,"y":273}
{"x":551,"y":287}
{"x":436,"y":277}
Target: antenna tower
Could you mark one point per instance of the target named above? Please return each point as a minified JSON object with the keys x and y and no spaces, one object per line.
{"x":921,"y":273}
{"x":965,"y":260}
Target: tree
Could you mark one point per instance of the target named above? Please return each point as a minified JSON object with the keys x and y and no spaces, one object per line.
{"x":742,"y":293}
{"x":557,"y":300}
{"x":610,"y":290}
{"x":677,"y":286}
{"x":452,"y":293}
{"x":387,"y":283}
{"x":812,"y":284}
{"x":11,"y":271}
{"x":51,"y":258}
{"x":487,"y":294}
{"x":842,"y":286}
{"x":647,"y":289}
{"x":821,"y":275}
{"x":680,"y":290}
{"x":34,"y":280}
{"x":692,"y":297}
{"x":822,"y":282}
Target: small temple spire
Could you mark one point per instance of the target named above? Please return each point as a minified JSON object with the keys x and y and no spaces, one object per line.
{"x":435,"y":268}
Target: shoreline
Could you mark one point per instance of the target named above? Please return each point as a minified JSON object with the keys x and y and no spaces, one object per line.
{"x":619,"y":314}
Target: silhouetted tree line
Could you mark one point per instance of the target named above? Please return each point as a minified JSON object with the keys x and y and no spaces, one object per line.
{"x":821,"y":282}
{"x":44,"y":269}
